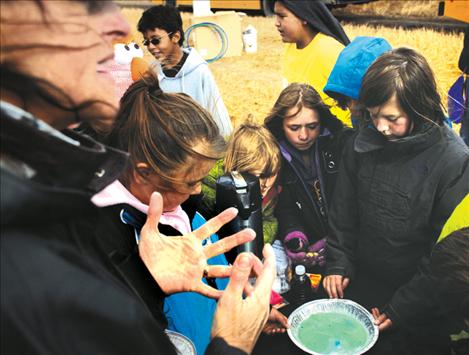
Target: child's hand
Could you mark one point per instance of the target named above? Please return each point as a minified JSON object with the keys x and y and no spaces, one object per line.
{"x":381,"y":319}
{"x":276,"y":323}
{"x":335,"y":285}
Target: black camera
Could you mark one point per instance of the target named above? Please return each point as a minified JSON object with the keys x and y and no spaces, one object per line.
{"x":241,"y":190}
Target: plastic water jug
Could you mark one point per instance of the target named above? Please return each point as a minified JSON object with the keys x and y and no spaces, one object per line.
{"x":250,"y":39}
{"x":201,"y":7}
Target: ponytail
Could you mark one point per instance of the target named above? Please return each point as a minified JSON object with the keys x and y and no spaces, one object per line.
{"x":164,"y":130}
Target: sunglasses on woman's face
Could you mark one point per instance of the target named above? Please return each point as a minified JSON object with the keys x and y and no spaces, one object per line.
{"x":155,"y":40}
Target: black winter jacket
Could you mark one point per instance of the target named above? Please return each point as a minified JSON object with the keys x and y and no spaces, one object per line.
{"x":390,"y":204}
{"x":60,"y":294}
{"x":297,"y":208}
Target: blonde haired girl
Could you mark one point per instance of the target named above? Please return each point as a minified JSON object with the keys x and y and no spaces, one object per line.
{"x":251,"y":149}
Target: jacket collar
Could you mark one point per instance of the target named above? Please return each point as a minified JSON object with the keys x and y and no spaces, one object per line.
{"x":116,"y":194}
{"x":193,"y":61}
{"x":288,"y":151}
{"x":369,"y":140}
{"x":59,"y":159}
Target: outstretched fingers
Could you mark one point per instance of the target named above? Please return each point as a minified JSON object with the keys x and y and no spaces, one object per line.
{"x":155,"y":210}
{"x":215,"y":223}
{"x":225,"y":244}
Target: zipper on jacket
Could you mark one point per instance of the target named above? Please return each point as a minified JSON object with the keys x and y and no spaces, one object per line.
{"x":308,"y":193}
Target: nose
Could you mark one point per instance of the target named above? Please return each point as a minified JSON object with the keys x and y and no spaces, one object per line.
{"x":277,"y":21}
{"x":381,"y":125}
{"x":302,"y":134}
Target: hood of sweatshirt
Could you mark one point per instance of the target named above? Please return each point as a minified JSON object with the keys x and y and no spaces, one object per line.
{"x":193,"y":61}
{"x":181,"y":82}
{"x":116,"y":193}
{"x":351,"y":65}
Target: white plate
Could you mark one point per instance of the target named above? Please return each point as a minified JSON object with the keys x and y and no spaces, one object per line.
{"x":339,"y":306}
{"x":183,"y":345}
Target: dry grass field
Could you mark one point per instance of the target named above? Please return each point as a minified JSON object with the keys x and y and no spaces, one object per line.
{"x":400,"y":8}
{"x":251,"y":83}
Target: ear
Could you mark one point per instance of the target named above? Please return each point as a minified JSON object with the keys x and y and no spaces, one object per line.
{"x":176,"y":37}
{"x":140,"y":173}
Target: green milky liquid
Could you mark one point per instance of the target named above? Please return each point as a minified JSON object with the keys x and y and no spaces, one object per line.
{"x":332,"y":333}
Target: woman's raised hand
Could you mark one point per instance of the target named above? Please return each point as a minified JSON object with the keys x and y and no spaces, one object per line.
{"x":240,"y":315}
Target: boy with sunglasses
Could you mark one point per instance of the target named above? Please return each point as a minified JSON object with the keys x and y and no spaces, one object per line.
{"x":181,"y":69}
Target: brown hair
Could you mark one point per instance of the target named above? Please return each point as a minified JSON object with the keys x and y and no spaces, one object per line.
{"x":167,"y":131}
{"x":406,"y":73}
{"x":253,"y":148}
{"x":28,"y":86}
{"x":299,"y":96}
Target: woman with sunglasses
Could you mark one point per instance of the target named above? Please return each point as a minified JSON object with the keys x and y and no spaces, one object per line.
{"x":178,"y":69}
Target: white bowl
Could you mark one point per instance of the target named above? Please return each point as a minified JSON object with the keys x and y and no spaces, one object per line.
{"x":349,"y":315}
{"x":183,"y":345}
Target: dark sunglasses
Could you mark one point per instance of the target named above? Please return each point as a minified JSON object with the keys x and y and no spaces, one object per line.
{"x":155,"y":40}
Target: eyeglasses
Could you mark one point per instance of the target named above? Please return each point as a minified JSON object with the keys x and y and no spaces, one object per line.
{"x":155,"y":40}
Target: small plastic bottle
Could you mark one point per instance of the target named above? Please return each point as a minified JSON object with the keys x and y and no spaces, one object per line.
{"x":301,"y":286}
{"x":282,"y":281}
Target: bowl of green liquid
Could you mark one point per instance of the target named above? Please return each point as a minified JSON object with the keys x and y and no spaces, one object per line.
{"x":332,"y":326}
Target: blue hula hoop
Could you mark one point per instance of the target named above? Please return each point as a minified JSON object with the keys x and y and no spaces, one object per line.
{"x":218,"y":30}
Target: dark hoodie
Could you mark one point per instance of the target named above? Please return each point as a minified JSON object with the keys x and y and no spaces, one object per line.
{"x":318,"y":17}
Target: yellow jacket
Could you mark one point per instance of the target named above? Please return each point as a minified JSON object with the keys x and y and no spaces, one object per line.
{"x":458,"y":219}
{"x":313,"y":65}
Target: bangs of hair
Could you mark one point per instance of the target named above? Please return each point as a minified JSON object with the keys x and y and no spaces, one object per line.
{"x":380,"y":86}
{"x":405,"y":73}
{"x":299,"y":96}
{"x":164,"y":17}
